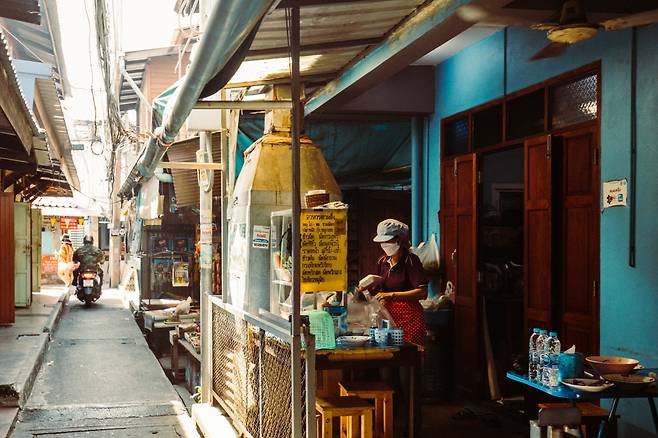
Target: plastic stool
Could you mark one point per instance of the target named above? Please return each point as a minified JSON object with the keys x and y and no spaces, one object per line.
{"x":351,"y":411}
{"x":556,"y":423}
{"x":591,"y":417}
{"x":382,"y":395}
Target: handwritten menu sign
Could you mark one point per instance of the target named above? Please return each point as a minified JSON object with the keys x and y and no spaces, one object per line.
{"x":324,"y":250}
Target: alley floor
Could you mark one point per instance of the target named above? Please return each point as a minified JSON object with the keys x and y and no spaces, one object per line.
{"x":99,"y":379}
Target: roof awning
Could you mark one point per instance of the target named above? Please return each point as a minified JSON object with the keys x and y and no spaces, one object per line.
{"x":49,"y":112}
{"x":16,"y":118}
{"x":333,"y":34}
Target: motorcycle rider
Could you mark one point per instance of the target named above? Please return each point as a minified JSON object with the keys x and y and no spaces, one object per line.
{"x":90,"y":258}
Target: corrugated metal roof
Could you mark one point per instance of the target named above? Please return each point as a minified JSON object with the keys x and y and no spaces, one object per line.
{"x":56,"y":128}
{"x":24,"y":10}
{"x":38,"y":42}
{"x":5,"y":62}
{"x":332,"y":35}
{"x":135,"y":64}
{"x":185,"y":181}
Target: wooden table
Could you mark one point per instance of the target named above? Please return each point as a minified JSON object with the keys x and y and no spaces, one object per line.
{"x":187,"y":349}
{"x":409,"y":355}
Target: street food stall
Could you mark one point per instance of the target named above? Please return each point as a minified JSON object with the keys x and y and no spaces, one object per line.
{"x":251,"y":321}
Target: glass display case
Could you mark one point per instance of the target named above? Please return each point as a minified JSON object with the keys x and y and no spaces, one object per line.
{"x":323,"y":257}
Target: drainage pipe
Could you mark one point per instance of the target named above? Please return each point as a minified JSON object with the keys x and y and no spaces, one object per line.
{"x":230,"y":24}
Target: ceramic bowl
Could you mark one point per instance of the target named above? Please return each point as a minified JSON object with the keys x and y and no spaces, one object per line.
{"x":353,"y":341}
{"x":631,"y":382}
{"x":587,"y":385}
{"x":612,"y":365}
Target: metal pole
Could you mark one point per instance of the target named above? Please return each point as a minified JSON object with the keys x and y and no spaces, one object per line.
{"x":416,"y":179}
{"x":115,"y":237}
{"x":204,"y":155}
{"x":227,"y":192}
{"x":296,"y":355}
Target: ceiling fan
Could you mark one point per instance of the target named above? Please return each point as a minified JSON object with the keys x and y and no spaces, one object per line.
{"x":571,"y":25}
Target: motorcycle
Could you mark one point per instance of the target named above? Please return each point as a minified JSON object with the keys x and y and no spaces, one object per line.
{"x":88,"y":289}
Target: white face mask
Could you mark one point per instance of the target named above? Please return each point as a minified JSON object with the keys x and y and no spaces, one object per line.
{"x":390,"y":248}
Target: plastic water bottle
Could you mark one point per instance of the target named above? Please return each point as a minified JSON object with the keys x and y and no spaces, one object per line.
{"x":540,"y":353}
{"x":553,"y":352}
{"x":533,"y":356}
{"x":552,"y":347}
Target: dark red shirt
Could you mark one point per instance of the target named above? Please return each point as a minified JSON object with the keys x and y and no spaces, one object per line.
{"x":406,"y":274}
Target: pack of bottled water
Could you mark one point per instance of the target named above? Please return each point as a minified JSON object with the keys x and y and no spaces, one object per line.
{"x":543,"y":357}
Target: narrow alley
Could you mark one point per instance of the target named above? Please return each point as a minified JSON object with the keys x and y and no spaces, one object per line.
{"x":99,"y":379}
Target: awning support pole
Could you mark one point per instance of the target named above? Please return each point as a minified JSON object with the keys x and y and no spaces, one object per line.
{"x":296,"y":354}
{"x":204,"y":155}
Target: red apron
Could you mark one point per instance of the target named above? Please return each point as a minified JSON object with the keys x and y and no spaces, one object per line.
{"x":408,"y":315}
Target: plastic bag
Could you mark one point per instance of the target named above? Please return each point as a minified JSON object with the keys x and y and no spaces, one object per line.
{"x":428,"y":253}
{"x":362,"y":315}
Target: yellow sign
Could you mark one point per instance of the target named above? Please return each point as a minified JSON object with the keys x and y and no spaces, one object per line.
{"x":324,"y":250}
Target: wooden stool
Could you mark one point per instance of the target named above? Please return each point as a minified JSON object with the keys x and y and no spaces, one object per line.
{"x":350,"y":410}
{"x":382,"y":394}
{"x":591,"y":417}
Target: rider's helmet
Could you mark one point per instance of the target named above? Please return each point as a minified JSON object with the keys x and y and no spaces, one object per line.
{"x":88,"y":240}
{"x":66,"y":238}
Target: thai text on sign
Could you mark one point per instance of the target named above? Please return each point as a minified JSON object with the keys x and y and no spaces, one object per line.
{"x":324,"y":250}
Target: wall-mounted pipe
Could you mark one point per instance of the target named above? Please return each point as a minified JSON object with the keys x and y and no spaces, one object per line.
{"x":230,"y":25}
{"x":416,"y":180}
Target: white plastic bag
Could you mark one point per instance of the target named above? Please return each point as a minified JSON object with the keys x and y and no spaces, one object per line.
{"x":428,"y":253}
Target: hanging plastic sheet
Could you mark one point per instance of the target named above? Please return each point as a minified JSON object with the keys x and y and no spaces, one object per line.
{"x":352,"y":148}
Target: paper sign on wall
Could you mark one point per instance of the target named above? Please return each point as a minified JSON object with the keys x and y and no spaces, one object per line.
{"x":261,"y":237}
{"x":615,"y":193}
{"x":324,"y":250}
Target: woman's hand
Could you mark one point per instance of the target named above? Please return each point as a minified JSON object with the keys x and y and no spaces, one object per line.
{"x":385,"y":296}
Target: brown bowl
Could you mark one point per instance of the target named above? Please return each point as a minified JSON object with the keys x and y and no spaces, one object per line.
{"x":612,"y":365}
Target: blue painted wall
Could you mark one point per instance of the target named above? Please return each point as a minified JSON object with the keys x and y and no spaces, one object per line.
{"x":629,"y":296}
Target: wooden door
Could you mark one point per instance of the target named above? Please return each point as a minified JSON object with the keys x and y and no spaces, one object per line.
{"x":458,"y":223}
{"x":36,"y":225}
{"x":579,"y":224}
{"x":537,"y":239}
{"x":7,"y":312}
{"x":23,"y":262}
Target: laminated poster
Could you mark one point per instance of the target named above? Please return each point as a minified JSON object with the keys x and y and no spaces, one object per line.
{"x":181,"y":274}
{"x":261,"y":237}
{"x":324,"y":250}
{"x":615,"y":193}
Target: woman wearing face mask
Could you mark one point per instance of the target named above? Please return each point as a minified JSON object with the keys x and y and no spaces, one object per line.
{"x":403,"y":281}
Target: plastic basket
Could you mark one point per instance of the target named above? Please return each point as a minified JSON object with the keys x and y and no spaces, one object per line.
{"x":396,"y":336}
{"x":381,"y":336}
{"x":322,"y":326}
{"x":371,"y":335}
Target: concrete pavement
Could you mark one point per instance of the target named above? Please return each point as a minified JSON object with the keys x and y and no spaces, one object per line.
{"x":100,"y":379}
{"x":23,"y":346}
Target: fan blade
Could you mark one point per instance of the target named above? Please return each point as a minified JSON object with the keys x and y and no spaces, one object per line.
{"x":640,"y":19}
{"x":552,"y":50}
{"x":473,"y":13}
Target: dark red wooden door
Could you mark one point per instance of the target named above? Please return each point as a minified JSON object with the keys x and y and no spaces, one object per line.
{"x":458,"y":230}
{"x":7,"y":255}
{"x":537,"y":241}
{"x":579,"y":279}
